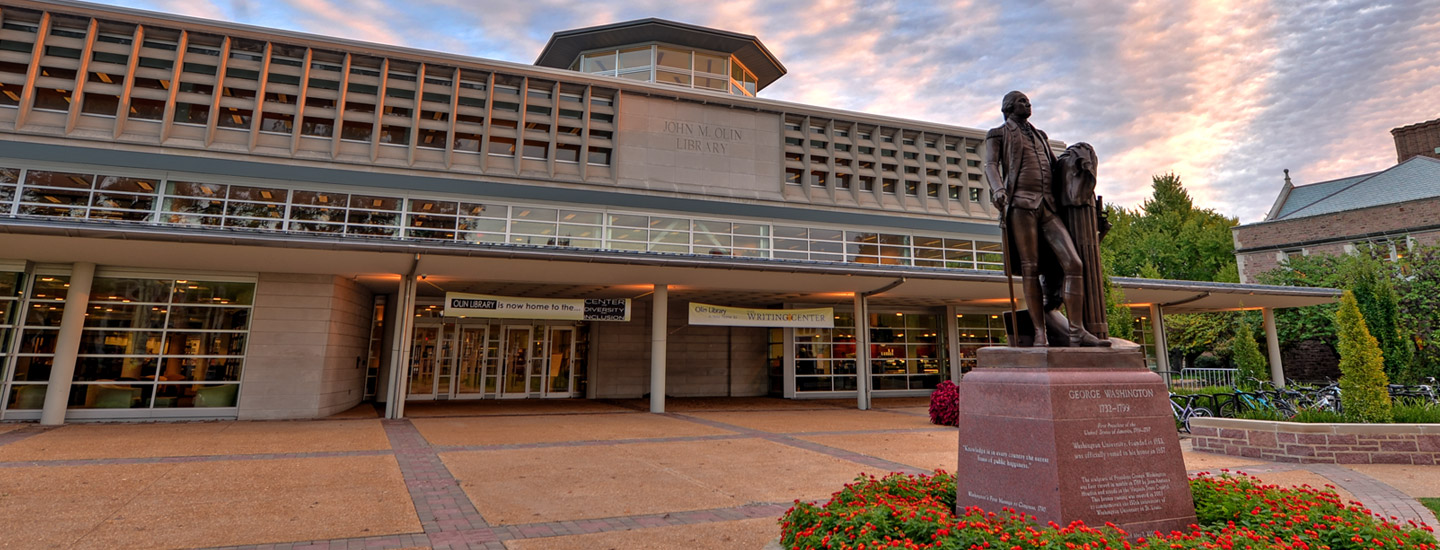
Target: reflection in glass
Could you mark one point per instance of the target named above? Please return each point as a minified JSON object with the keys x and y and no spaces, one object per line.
{"x":90,"y":369}
{"x":119,"y":342}
{"x":209,"y":318}
{"x":106,"y":289}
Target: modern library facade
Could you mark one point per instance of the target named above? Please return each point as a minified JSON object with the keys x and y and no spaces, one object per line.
{"x":209,"y":220}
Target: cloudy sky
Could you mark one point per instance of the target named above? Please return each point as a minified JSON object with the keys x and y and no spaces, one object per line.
{"x":1224,"y":93}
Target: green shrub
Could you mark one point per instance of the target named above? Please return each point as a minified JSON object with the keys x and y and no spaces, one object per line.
{"x":1204,"y":390}
{"x":1416,"y":413}
{"x":1245,"y":351}
{"x":1318,"y":416}
{"x":1362,"y":368}
{"x":1261,"y":414}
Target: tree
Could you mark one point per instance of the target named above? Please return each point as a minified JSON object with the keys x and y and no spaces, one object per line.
{"x":1169,"y":238}
{"x":1193,"y":334}
{"x":1245,"y":352}
{"x":1373,"y":280}
{"x":1363,"y":392}
{"x":1311,"y":322}
{"x":1374,"y":293}
{"x":1419,"y":307}
{"x":1117,"y":314}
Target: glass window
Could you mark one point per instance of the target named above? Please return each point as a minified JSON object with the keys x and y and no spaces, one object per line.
{"x":634,"y":58}
{"x":712,"y":64}
{"x":598,"y":62}
{"x":673,"y":58}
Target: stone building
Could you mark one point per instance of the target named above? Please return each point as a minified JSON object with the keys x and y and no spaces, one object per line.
{"x":1394,"y":209}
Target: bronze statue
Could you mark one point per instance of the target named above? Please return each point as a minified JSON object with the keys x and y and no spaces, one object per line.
{"x":1084,"y":216}
{"x":1021,"y":170}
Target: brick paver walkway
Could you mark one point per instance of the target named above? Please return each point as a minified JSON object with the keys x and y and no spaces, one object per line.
{"x":451,"y":521}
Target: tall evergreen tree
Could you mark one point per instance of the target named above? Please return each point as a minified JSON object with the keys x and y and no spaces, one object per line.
{"x":1245,"y":351}
{"x":1363,"y":392}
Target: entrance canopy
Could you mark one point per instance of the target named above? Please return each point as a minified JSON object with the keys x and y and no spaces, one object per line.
{"x":548,"y":272}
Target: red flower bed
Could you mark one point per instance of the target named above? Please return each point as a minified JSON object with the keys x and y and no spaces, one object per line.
{"x":1233,"y":511}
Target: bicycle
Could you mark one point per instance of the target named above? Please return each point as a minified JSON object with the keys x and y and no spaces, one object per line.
{"x":1183,"y":414}
{"x":1262,"y":399}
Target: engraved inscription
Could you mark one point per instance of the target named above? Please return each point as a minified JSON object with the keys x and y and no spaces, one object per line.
{"x":1114,"y":393}
{"x":1001,"y":458}
{"x":1128,"y":444}
{"x":702,"y":138}
{"x":1013,"y":505}
{"x":1116,"y":494}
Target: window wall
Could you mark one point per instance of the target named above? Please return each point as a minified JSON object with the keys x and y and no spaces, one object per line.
{"x":146,"y":343}
{"x":825,"y":358}
{"x":673,"y":65}
{"x":975,"y":331}
{"x":907,"y":352}
{"x":186,"y":202}
{"x":39,"y":318}
{"x":11,"y":288}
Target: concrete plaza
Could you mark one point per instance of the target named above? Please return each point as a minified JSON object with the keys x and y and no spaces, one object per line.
{"x":531,"y":475}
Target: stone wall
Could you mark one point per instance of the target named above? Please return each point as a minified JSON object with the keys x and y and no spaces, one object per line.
{"x":1318,"y":443}
{"x":700,"y":360}
{"x":1258,"y":244}
{"x":1417,"y":139}
{"x":306,"y":332}
{"x":1310,"y":361}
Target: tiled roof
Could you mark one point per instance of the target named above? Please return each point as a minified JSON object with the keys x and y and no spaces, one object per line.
{"x":1414,"y":179}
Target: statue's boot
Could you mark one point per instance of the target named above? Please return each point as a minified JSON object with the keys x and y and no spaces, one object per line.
{"x":1079,"y":337}
{"x":1034,"y":303}
{"x":1074,"y":294}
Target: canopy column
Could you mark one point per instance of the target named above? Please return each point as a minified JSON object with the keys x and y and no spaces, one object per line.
{"x":659,"y":315}
{"x":1272,"y":341}
{"x":67,"y":344}
{"x":1162,"y":348}
{"x":862,"y":352}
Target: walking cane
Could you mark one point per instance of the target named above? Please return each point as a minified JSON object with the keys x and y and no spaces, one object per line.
{"x":1014,"y":335}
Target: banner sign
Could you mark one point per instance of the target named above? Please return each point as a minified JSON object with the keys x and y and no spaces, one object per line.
{"x":706,"y":314}
{"x":509,"y":307}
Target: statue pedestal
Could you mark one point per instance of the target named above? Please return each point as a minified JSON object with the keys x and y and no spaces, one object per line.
{"x":1068,"y":434}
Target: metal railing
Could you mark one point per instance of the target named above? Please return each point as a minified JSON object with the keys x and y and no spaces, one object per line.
{"x":1199,"y":378}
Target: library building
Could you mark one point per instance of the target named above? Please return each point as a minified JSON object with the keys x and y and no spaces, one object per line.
{"x":207,"y":220}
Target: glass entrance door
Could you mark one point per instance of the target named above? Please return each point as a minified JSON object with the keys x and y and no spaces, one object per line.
{"x":426,"y":358}
{"x":470,"y":362}
{"x":448,"y":361}
{"x":515,"y":349}
{"x":559,"y":371}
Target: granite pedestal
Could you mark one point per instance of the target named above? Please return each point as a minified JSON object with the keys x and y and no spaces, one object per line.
{"x":1068,"y":434}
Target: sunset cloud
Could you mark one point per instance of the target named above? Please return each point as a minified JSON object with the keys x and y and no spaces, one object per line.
{"x":1225,"y":93}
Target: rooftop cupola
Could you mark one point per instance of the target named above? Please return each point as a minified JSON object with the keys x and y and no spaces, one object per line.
{"x":656,"y":50}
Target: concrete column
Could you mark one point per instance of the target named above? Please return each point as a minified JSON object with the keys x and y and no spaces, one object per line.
{"x":862,"y":353}
{"x":67,"y":344}
{"x":1157,"y":331}
{"x":952,"y":335}
{"x":397,"y":386}
{"x":1272,"y":341}
{"x":659,"y":315}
